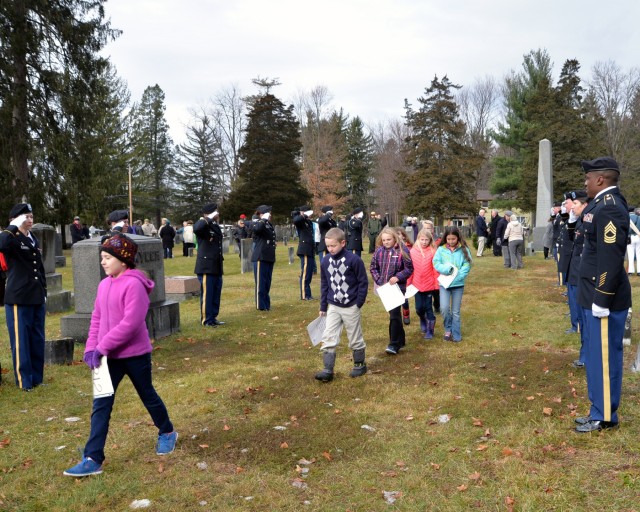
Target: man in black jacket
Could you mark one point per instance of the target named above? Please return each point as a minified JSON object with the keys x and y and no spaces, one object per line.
{"x":306,"y":245}
{"x":25,"y":297}
{"x":209,"y":265}
{"x":325,"y":223}
{"x":354,"y":226}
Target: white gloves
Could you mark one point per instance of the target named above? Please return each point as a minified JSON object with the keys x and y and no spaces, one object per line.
{"x":563,"y":209}
{"x":572,"y":217}
{"x":212,"y":215}
{"x":599,"y":312}
{"x":308,"y":213}
{"x":119,"y":224}
{"x":18,"y":221}
{"x":266,"y":216}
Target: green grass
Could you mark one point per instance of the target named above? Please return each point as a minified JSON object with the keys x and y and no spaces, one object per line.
{"x":226,"y":389}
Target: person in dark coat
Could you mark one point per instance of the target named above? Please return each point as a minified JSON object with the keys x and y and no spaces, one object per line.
{"x":500,"y":240}
{"x":306,"y":245}
{"x":325,"y":223}
{"x":355,"y":232}
{"x":263,"y":256}
{"x":77,"y":231}
{"x":239,"y":233}
{"x":604,"y":292}
{"x":167,"y":234}
{"x":209,"y":265}
{"x":493,"y":227}
{"x":25,"y":297}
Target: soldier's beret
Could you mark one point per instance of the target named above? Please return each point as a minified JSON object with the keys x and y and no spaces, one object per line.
{"x":20,"y":209}
{"x":327,"y":208}
{"x":356,"y":211}
{"x":118,"y":215}
{"x":603,"y":163}
{"x":263,"y":208}
{"x":209,"y":208}
{"x":576,"y":194}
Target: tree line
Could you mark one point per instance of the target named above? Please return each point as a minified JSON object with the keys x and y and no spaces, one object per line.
{"x":70,"y":135}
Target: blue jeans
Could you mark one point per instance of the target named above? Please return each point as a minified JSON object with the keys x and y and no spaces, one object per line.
{"x":138,"y":369}
{"x":424,"y":305}
{"x":450,"y":302}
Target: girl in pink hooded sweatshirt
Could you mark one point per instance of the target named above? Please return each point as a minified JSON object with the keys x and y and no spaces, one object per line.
{"x":118,"y":331}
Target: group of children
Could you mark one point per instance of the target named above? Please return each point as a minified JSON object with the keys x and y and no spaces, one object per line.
{"x":344,"y":288}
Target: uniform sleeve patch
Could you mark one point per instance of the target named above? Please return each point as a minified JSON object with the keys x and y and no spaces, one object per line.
{"x":588,"y":217}
{"x":610,"y":233}
{"x":603,"y":278}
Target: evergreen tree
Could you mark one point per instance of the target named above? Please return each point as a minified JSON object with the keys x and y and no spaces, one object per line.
{"x":269,"y":172}
{"x":442,"y":180}
{"x":200,"y":178}
{"x":358,"y":171}
{"x":153,"y":156}
{"x":49,"y":49}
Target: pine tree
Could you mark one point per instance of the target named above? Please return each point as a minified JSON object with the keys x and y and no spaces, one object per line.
{"x":442,"y":180}
{"x":269,"y":172}
{"x":152,"y":155}
{"x":200,"y":178}
{"x":358,"y":171}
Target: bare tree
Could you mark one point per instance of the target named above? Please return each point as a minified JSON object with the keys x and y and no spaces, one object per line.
{"x":228,"y":109}
{"x":615,"y":90}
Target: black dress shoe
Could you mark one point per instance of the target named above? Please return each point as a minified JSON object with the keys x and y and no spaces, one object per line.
{"x":209,"y":325}
{"x":577,"y":364}
{"x":218,"y":322}
{"x":582,"y":420}
{"x":595,"y":426}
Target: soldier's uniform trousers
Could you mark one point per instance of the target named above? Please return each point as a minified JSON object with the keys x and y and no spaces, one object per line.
{"x":604,"y":363}
{"x":210,"y":291}
{"x":26,"y":336}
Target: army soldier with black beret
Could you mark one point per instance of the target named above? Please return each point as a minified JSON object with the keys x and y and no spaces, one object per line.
{"x":306,"y":248}
{"x":25,"y":297}
{"x":209,"y":264}
{"x":354,"y":244}
{"x":263,"y":256}
{"x":604,"y":292}
{"x":325,"y":223}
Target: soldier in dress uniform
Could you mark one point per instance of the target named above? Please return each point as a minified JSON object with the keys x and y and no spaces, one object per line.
{"x":604,"y":291}
{"x":263,"y":256}
{"x":325,"y":223}
{"x":355,"y":232}
{"x":209,"y":265}
{"x":306,"y":248}
{"x":25,"y":297}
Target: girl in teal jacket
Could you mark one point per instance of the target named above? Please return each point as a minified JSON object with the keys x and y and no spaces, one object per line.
{"x":453,"y":253}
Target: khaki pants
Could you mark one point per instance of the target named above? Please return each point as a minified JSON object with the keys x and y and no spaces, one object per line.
{"x":336,"y":318}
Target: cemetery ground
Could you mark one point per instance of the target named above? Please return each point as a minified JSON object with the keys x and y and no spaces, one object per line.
{"x":485,"y":424}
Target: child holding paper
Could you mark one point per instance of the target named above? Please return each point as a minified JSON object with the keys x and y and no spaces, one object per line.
{"x":453,"y":253}
{"x":425,"y":279}
{"x":343,"y":291}
{"x":391,"y":263}
{"x":118,"y":330}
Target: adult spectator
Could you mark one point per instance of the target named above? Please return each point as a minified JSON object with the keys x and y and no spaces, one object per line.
{"x":306,"y":248}
{"x":77,"y":231}
{"x":209,"y":264}
{"x":342,"y":224}
{"x":374,"y":226}
{"x":239,"y":233}
{"x":633,"y":249}
{"x":25,"y":297}
{"x":557,"y":219}
{"x":148,"y":229}
{"x":514,"y":233}
{"x":493,"y":225}
{"x":167,"y":234}
{"x":187,"y":238}
{"x":604,"y":291}
{"x":482,"y":231}
{"x":500,"y":239}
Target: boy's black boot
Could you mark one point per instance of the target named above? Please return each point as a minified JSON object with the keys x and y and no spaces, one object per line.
{"x":359,"y":366}
{"x":329,"y":360}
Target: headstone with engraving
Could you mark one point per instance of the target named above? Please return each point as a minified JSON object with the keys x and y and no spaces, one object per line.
{"x":57,"y":299}
{"x":163,"y":317}
{"x":292,"y":255}
{"x":545,"y":193}
{"x":246,"y":251}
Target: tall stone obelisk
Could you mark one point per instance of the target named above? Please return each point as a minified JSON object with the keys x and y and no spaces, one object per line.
{"x":545,"y":193}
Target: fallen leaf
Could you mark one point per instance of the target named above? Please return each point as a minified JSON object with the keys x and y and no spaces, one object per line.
{"x":558,"y":400}
{"x":400,"y":464}
{"x":509,"y":502}
{"x":481,"y":447}
{"x":161,"y":468}
{"x":409,"y":418}
{"x":4,"y":443}
{"x":327,"y":455}
{"x":299,"y":483}
{"x":462,"y":487}
{"x":284,"y":445}
{"x":435,"y":466}
{"x":547,"y":411}
{"x":226,"y":427}
{"x":203,"y":445}
{"x":389,"y":473}
{"x":337,"y":411}
{"x":531,"y":398}
{"x":477,"y":422}
{"x":474,"y":476}
{"x":239,"y":470}
{"x":507,"y":452}
{"x":212,"y":390}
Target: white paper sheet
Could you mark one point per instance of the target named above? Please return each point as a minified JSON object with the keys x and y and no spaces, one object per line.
{"x":445,"y":281}
{"x":411,"y":291}
{"x":316,"y":329}
{"x":391,"y":296}
{"x":102,"y":385}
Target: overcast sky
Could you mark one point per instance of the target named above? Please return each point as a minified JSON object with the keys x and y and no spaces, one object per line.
{"x":370,"y":54}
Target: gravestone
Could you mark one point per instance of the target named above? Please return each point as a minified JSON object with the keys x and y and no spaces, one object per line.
{"x":246,"y":251}
{"x":225,"y":245}
{"x":292,"y":255}
{"x":163,"y":317}
{"x":545,"y":193}
{"x":61,"y":260}
{"x":57,"y":299}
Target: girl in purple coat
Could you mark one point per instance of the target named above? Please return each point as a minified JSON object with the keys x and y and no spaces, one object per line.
{"x":118,"y":331}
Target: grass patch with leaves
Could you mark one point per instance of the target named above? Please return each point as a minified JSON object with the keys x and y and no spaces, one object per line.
{"x":508,"y":391}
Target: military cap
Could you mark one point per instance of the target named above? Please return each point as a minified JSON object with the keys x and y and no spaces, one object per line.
{"x":209,"y":208}
{"x":20,"y":209}
{"x":603,"y":163}
{"x":263,"y":208}
{"x":576,"y":194}
{"x":357,"y":210}
{"x":118,"y":215}
{"x":327,"y":208}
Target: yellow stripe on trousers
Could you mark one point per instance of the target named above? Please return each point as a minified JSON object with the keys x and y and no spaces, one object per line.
{"x":16,"y":334}
{"x":203,"y":309}
{"x":303,"y":277}
{"x":258,"y":284}
{"x":606,"y":383}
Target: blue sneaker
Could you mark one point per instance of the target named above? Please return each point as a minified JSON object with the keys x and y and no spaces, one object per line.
{"x":392,"y":350}
{"x":166,"y":443}
{"x":87,"y":466}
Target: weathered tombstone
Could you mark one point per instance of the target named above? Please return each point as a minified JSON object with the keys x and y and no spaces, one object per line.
{"x":181,"y":287}
{"x":61,"y":260}
{"x":225,"y":245}
{"x":545,"y":193}
{"x":246,"y":251}
{"x":57,"y":299}
{"x":59,"y":351}
{"x":163,"y":317}
{"x":292,"y":255}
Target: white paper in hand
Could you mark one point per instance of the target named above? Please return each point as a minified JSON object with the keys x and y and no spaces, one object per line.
{"x":391,"y":296}
{"x":445,"y":281}
{"x":102,"y":385}
{"x":411,"y":291}
{"x":316,"y":329}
